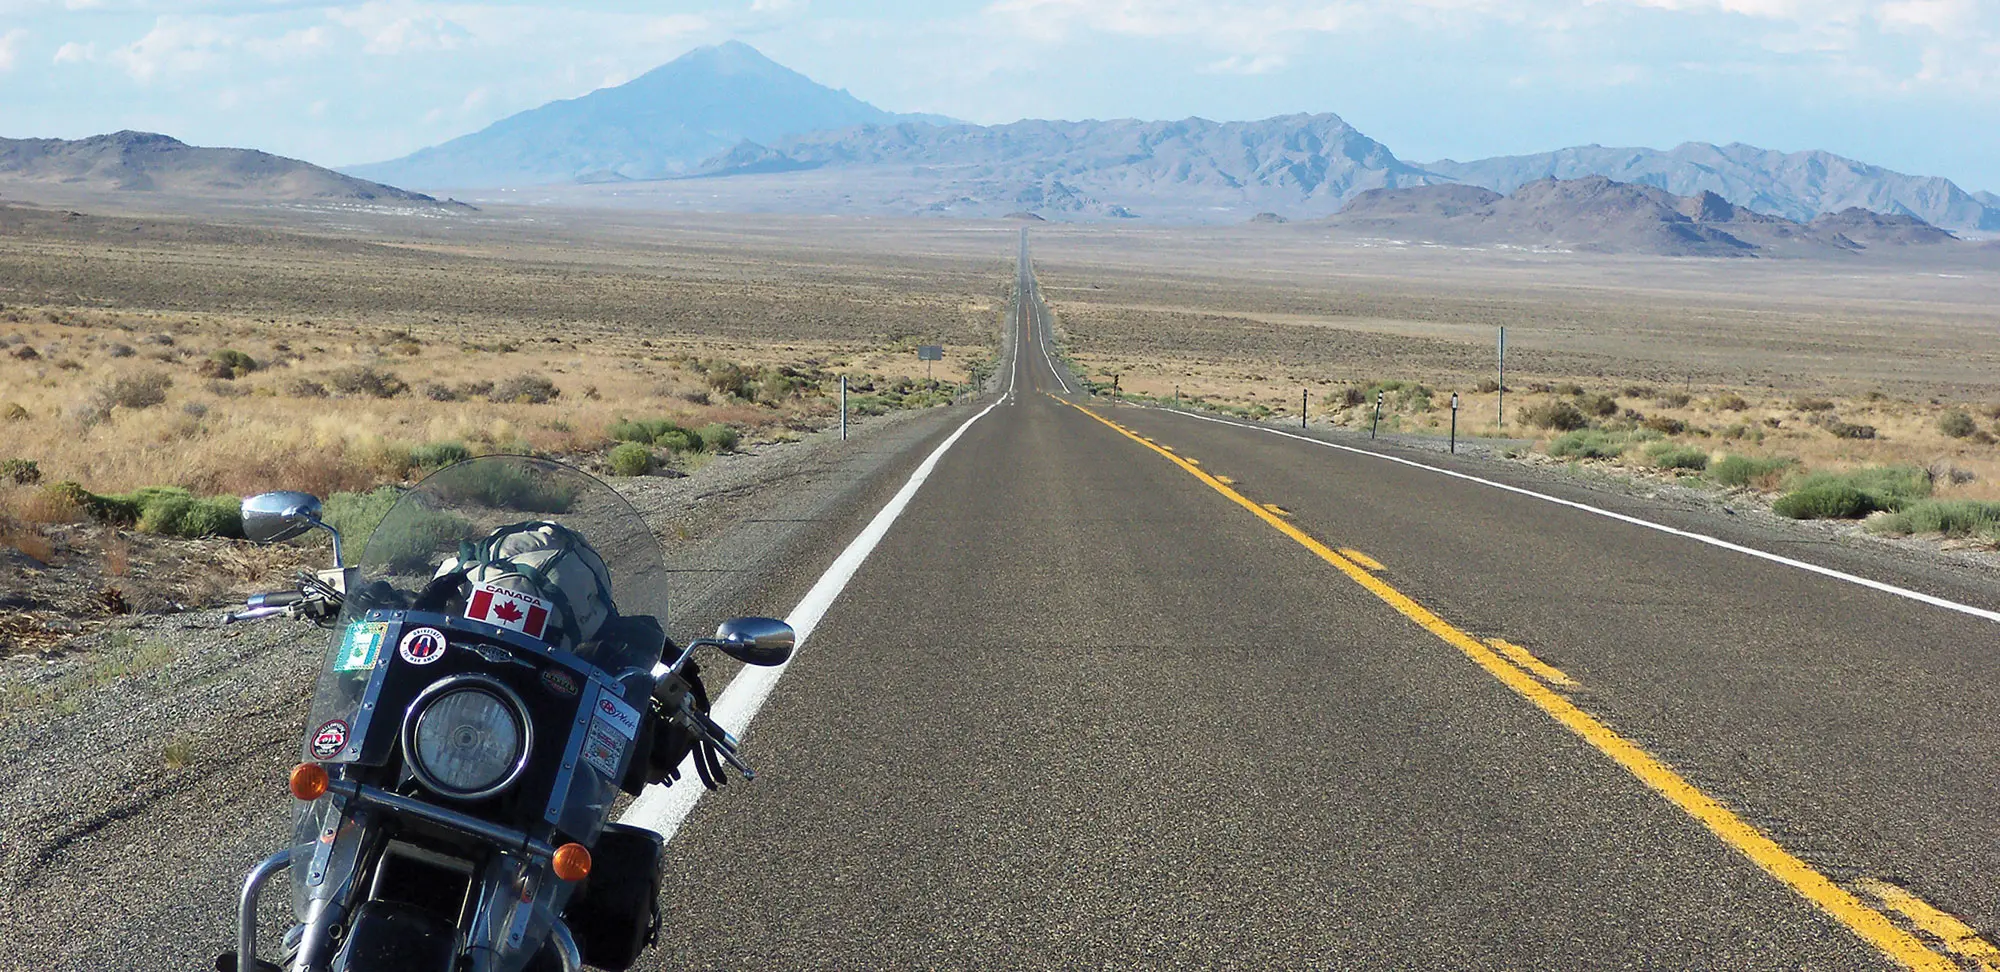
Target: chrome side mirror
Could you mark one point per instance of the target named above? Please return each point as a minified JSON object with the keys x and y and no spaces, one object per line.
{"x":756,"y":641}
{"x":270,"y":517}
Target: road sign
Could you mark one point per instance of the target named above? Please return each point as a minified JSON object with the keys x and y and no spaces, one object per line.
{"x":930,"y":352}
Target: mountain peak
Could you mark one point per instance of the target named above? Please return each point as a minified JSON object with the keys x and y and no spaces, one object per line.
{"x":657,"y":125}
{"x":728,"y":59}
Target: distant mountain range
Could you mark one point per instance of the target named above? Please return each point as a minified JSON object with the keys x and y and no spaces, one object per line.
{"x":1597,"y":214}
{"x":658,"y":125}
{"x":144,"y":162}
{"x":760,"y":136}
{"x":1301,"y":163}
{"x":728,"y":111}
{"x":1796,"y":185}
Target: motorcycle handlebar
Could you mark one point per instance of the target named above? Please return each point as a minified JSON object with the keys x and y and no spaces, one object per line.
{"x":274,"y":599}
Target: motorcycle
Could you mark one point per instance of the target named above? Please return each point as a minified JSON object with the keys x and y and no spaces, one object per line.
{"x":470,"y":730}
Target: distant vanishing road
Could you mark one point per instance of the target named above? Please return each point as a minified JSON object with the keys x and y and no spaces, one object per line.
{"x":1111,"y":687}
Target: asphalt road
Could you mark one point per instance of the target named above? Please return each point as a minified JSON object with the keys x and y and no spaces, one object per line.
{"x":1091,"y":703}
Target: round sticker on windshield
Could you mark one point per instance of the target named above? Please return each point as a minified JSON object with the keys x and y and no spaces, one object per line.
{"x":328,"y":740}
{"x":422,"y":646}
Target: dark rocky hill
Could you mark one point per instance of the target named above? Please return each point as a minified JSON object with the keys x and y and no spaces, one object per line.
{"x":1603,"y":215}
{"x":144,"y":162}
{"x":1796,"y":185}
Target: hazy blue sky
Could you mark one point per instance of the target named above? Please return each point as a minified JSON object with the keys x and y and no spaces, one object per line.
{"x":1910,"y":84}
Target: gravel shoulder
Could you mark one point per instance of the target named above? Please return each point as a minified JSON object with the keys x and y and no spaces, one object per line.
{"x":146,"y":777}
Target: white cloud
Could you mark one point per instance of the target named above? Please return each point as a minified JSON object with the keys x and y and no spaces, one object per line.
{"x":1246,"y":64}
{"x":401,"y":27}
{"x":74,"y":53}
{"x":10,"y":44}
{"x":175,"y":45}
{"x":291,"y":44}
{"x":1849,"y":40}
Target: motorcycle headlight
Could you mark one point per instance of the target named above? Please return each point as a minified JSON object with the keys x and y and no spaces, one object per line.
{"x":467,"y":737}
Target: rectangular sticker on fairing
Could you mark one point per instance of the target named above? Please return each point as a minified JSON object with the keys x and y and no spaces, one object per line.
{"x":362,"y":647}
{"x":602,"y":747}
{"x":620,"y":716}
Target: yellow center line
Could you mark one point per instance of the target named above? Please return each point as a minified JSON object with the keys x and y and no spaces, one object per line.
{"x":1957,"y":936}
{"x":1526,"y":659}
{"x":1275,"y":508}
{"x":1361,"y":558}
{"x":1870,"y":924}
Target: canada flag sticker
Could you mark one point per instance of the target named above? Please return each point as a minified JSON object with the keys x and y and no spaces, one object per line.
{"x":508,"y":608}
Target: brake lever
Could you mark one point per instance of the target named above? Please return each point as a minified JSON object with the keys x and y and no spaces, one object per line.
{"x":720,"y":738}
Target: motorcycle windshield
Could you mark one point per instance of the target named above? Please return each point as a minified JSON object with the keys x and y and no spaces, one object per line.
{"x":455,"y":514}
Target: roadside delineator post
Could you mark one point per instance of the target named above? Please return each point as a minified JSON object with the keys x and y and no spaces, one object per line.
{"x":1454,"y":423}
{"x":1503,"y":376}
{"x":843,"y":408}
{"x":1378,"y":415}
{"x":1302,"y":408}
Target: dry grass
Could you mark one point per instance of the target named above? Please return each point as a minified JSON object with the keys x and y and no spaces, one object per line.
{"x":1761,"y":358}
{"x":183,"y":357}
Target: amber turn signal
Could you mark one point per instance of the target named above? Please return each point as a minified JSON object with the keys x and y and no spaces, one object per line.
{"x":572,"y":862}
{"x":309,"y":781}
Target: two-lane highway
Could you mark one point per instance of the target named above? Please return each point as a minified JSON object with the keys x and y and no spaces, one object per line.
{"x":1123,"y":688}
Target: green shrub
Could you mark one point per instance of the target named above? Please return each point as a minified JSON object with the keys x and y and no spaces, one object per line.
{"x":1569,"y":388}
{"x":631,"y":459}
{"x":656,"y":432}
{"x":1953,"y":518}
{"x":1670,"y":455}
{"x":1598,"y":404}
{"x":1825,"y":501}
{"x":1558,"y":415}
{"x":166,"y":510}
{"x":437,"y":455}
{"x":135,"y":391}
{"x":717,"y":437}
{"x":1665,"y":425}
{"x":228,"y":364}
{"x":1588,"y":444}
{"x":1848,"y":430}
{"x":1886,"y":487}
{"x":1957,"y":424}
{"x":503,"y":485}
{"x":1747,"y":470}
{"x":1486,"y":386}
{"x":1674,"y":400}
{"x":364,"y":380}
{"x":1810,"y":404}
{"x":1731,"y":403}
{"x":20,"y":472}
{"x":356,"y":515}
{"x":177,"y":513}
{"x":626,"y":430}
{"x":526,"y":390}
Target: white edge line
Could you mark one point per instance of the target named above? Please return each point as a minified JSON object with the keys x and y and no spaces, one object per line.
{"x":662,"y":808}
{"x":1930,"y":599}
{"x":1049,"y":356}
